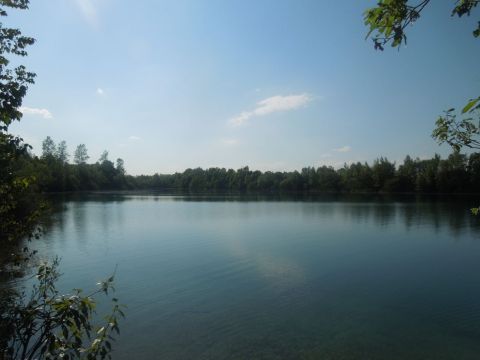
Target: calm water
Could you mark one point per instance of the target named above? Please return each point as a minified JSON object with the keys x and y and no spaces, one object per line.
{"x":279,"y":278}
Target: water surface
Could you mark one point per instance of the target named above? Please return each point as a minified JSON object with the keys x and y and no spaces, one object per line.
{"x":238,"y":277}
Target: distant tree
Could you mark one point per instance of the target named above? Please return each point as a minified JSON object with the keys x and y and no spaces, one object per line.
{"x":120,"y":166}
{"x":383,"y":171}
{"x":407,"y":174}
{"x":81,"y":155}
{"x":452,"y":174}
{"x":310,"y":178}
{"x":292,"y":182}
{"x":49,"y":148}
{"x":474,"y":170}
{"x":62,"y":153}
{"x":427,"y":175}
{"x":357,"y":177}
{"x":328,"y":179}
{"x":103,"y":157}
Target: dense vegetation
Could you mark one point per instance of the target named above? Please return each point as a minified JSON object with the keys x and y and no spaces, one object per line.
{"x":53,"y":172}
{"x":458,"y":173}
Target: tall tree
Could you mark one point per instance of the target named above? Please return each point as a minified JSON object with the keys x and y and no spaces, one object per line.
{"x":62,"y":152}
{"x":81,"y":155}
{"x":49,"y":148}
{"x":120,"y":166}
{"x":382,"y":171}
{"x":103,"y":157}
{"x":14,"y":81}
{"x":15,"y":199}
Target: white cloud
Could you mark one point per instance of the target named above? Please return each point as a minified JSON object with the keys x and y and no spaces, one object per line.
{"x":100,"y":91}
{"x":34,"y":111}
{"x":343,"y":149}
{"x":240,"y":119}
{"x":229,"y":142}
{"x":271,"y":105}
{"x":134,"y":138}
{"x":326,"y":155}
{"x":88,"y":10}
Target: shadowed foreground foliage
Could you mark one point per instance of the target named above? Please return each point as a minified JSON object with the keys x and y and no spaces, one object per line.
{"x":45,"y":324}
{"x":49,"y":325}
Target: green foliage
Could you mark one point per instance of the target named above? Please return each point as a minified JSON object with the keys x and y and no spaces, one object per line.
{"x":457,"y":173}
{"x":62,"y":153}
{"x":464,"y":7}
{"x":14,"y":81}
{"x":18,"y":210}
{"x":457,"y":133}
{"x":387,"y":23}
{"x":49,"y":148}
{"x":120,"y":167}
{"x":48,"y":325}
{"x":53,"y":173}
{"x":103,"y":157}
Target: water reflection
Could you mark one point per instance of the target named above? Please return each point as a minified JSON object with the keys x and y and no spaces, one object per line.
{"x":413,"y":211}
{"x":255,"y":276}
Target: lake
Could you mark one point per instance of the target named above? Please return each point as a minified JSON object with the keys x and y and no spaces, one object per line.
{"x":271,"y":277}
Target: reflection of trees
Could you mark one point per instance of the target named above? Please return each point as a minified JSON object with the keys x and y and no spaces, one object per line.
{"x":413,"y":211}
{"x":439,"y":213}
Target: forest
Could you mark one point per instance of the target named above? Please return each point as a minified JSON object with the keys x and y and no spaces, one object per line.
{"x":459,"y":173}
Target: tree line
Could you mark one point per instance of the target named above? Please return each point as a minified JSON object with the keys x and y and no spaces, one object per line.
{"x":54,"y":172}
{"x":458,"y":173}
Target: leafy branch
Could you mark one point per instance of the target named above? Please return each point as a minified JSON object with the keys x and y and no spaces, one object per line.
{"x":48,"y":325}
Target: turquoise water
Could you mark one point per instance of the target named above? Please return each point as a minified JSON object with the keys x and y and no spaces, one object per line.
{"x":237,"y":277}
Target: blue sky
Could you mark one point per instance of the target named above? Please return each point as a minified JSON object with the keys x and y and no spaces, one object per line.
{"x":272,"y":84}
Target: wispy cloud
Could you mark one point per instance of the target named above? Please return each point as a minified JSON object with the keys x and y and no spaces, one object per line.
{"x":46,"y":114}
{"x":343,"y":149}
{"x":229,"y":142}
{"x":88,"y":10}
{"x":100,"y":91}
{"x":271,"y":105}
{"x":134,"y":138}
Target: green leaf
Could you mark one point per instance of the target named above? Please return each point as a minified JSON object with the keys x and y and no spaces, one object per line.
{"x":470,"y":105}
